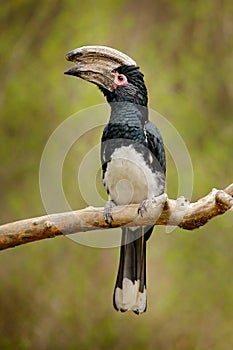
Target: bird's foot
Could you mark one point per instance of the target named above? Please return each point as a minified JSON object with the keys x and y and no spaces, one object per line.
{"x":156,"y":201}
{"x":160,"y":200}
{"x":143,"y":207}
{"x":108,"y":212}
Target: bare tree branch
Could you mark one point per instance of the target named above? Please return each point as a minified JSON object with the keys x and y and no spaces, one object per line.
{"x":178,"y":212}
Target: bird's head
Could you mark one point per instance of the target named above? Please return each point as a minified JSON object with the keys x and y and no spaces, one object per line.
{"x":115,"y":73}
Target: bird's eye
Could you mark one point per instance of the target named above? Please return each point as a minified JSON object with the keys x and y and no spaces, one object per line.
{"x":120,"y":77}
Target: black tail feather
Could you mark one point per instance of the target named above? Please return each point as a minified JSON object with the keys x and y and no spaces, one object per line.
{"x":130,"y":288}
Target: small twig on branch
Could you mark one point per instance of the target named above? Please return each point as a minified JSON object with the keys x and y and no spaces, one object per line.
{"x":171,"y":212}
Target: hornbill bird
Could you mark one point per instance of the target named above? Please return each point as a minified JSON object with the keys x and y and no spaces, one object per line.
{"x":132,"y":155}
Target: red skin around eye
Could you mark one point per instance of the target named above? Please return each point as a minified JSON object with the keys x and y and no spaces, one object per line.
{"x":120,"y":79}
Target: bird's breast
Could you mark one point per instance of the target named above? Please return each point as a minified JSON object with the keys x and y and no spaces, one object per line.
{"x":129,"y":179}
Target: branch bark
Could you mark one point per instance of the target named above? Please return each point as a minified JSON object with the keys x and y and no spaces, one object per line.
{"x":178,"y":212}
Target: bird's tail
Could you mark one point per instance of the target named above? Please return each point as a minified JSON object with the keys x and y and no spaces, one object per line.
{"x":130,"y":288}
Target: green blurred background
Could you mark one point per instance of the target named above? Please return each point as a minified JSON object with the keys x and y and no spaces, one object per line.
{"x":56,"y":294}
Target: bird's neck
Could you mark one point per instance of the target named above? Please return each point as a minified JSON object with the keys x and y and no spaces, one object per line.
{"x":128,"y":113}
{"x":127,"y":122}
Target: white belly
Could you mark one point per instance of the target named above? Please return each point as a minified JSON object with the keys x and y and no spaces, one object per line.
{"x":129,"y":179}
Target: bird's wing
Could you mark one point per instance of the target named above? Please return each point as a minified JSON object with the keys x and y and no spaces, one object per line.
{"x":155,"y":146}
{"x":104,"y":151}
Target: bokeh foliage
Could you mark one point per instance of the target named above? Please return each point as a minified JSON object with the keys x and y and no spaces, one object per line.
{"x":56,"y":294}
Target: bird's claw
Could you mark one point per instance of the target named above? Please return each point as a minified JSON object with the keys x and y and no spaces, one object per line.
{"x":108,"y":212}
{"x":143,"y":207}
{"x":156,"y":201}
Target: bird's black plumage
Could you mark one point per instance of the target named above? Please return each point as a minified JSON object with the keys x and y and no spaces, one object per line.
{"x":132,"y":154}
